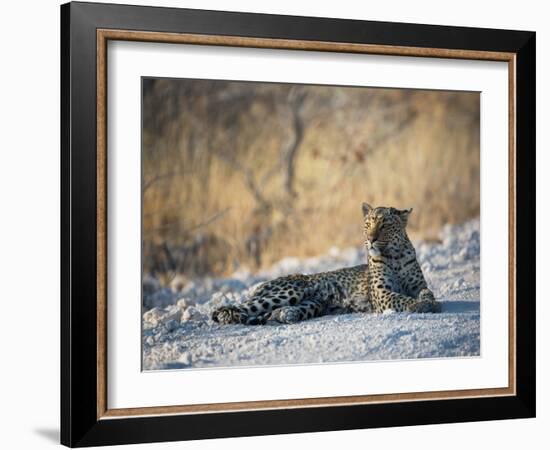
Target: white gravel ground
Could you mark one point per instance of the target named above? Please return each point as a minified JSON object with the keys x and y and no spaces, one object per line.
{"x":178,"y":332}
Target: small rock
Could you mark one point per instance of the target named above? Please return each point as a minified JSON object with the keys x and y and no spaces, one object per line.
{"x":184,"y":303}
{"x":172,"y":313}
{"x":191,"y":313}
{"x":459,"y":283}
{"x":171,"y":325}
{"x":152,"y":316}
{"x":178,"y":283}
{"x":185,"y":358}
{"x":223,"y":299}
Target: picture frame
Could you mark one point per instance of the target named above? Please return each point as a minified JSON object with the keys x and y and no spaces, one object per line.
{"x":86,"y":418}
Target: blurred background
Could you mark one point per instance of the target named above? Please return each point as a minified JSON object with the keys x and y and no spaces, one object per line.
{"x":242,"y":174}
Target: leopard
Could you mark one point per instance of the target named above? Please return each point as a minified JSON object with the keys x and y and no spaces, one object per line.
{"x":390,"y":281}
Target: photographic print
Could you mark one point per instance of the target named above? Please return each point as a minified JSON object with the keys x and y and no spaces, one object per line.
{"x":296,"y":198}
{"x":303,"y":224}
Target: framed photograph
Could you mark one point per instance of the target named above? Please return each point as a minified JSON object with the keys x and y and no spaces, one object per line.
{"x":277,"y":224}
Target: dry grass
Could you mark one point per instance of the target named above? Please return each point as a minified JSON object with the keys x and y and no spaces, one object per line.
{"x":215,"y":164}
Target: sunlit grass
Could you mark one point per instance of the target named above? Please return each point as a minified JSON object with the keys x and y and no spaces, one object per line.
{"x":430,"y":164}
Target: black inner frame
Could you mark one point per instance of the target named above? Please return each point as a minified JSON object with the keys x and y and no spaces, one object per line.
{"x":79,"y":424}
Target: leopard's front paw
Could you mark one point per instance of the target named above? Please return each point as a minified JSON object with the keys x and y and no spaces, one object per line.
{"x":286,"y":314}
{"x":229,"y":314}
{"x":426,"y":303}
{"x":426,"y":295}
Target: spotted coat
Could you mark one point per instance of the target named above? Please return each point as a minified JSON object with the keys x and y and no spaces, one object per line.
{"x":391,"y":280}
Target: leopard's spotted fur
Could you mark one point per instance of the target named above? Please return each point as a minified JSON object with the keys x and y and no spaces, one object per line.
{"x":391,"y":280}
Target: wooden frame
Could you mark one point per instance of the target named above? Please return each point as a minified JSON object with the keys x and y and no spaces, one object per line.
{"x":86,"y":418}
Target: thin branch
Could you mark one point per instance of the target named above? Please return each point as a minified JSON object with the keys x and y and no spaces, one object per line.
{"x":208,"y":221}
{"x":250,"y":179}
{"x":147,"y":184}
{"x":289,"y":156}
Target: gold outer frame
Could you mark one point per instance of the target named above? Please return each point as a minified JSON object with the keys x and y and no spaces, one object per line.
{"x":103,"y":36}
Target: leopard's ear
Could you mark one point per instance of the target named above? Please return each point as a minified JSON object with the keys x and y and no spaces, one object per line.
{"x":404,"y":214}
{"x":366,"y":208}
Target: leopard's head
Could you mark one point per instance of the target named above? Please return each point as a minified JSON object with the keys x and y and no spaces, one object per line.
{"x":383,"y":225}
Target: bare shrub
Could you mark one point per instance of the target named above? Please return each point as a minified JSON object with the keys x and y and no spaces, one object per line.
{"x":238,"y":173}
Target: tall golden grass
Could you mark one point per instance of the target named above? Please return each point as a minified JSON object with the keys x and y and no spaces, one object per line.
{"x":217,"y":159}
